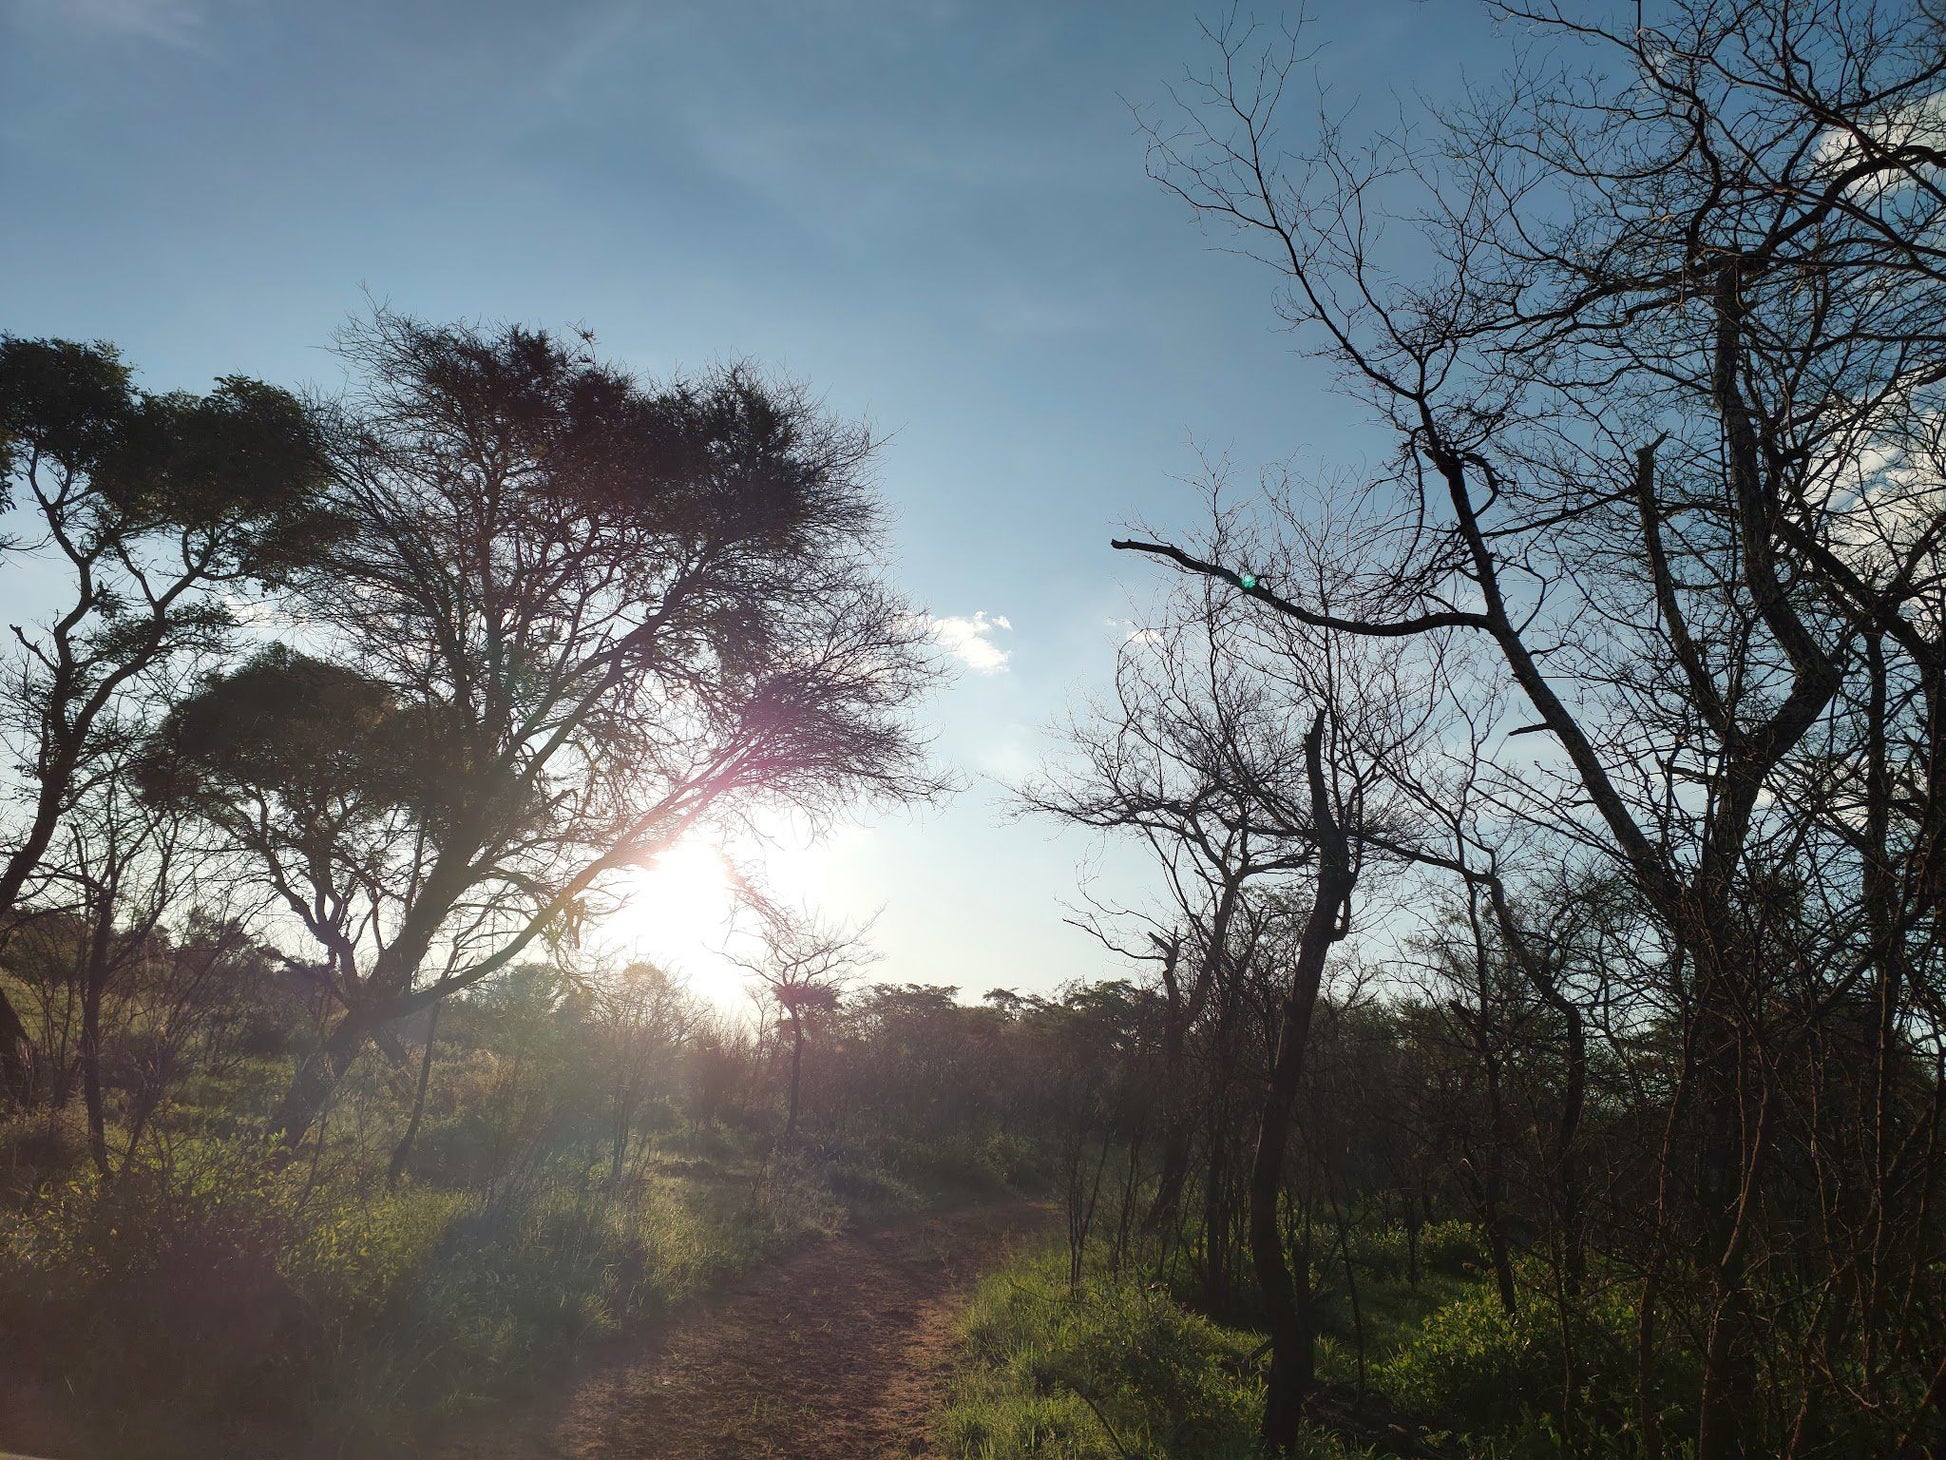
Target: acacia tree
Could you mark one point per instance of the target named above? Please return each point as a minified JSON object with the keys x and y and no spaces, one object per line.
{"x":1662,"y":387}
{"x":570,"y":616}
{"x":157,"y":510}
{"x":803,"y":963}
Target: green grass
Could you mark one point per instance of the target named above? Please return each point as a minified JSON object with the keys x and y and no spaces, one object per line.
{"x":226,"y":1301}
{"x":1114,"y":1369}
{"x":1122,"y":1368}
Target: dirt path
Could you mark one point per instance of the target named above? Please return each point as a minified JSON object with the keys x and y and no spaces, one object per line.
{"x":837,"y":1352}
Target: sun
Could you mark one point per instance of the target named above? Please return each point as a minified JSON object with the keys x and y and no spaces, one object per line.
{"x":679,"y":913}
{"x":691,"y":873}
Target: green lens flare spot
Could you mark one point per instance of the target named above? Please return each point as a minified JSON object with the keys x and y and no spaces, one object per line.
{"x":1248,"y":580}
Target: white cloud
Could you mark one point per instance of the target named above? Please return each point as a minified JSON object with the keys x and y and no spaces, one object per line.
{"x":970,"y":640}
{"x":1133,"y":632}
{"x":1919,"y":123}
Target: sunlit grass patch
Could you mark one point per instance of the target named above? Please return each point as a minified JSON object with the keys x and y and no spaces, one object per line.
{"x":1113,"y":1368}
{"x":1122,"y":1367}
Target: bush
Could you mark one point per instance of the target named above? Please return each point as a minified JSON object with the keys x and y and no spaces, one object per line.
{"x":357,"y":1250}
{"x":160,"y":1293}
{"x":514,"y":1285}
{"x":1047,"y":1372}
{"x":1115,"y":1366}
{"x":967,"y":1162}
{"x":866,"y":1187}
{"x":217,"y":1300}
{"x":1468,"y":1364}
{"x":1470,"y":1367}
{"x":34,"y":1143}
{"x":1446,"y":1249}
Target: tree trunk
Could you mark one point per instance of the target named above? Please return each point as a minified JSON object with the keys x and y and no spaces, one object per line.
{"x":403,"y":1150}
{"x":94,"y":983}
{"x":1574,"y":1086}
{"x":618,"y":1136}
{"x":1287,"y":1299}
{"x":797,"y":1064}
{"x":1287,"y":1302}
{"x":1174,"y":1170}
{"x":1485,"y":1189}
{"x":1732,"y":1155}
{"x":318,"y":1070}
{"x":1567,"y":1171}
{"x":1219,"y":1192}
{"x":1486,"y":1178}
{"x":14,"y":1044}
{"x":91,"y":1070}
{"x":1182,"y":1013}
{"x":1216,"y":1221}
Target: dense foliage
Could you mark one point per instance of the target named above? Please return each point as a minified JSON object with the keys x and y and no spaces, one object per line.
{"x":584,"y":1153}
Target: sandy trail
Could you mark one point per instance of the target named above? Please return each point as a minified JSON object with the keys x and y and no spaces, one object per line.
{"x":839,"y":1351}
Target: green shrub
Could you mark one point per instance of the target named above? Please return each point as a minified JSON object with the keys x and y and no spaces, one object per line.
{"x":357,"y":1250}
{"x":1446,"y":1249}
{"x":160,"y":1294}
{"x":1469,"y":1365}
{"x":514,"y":1283}
{"x":1053,"y":1372}
{"x":1008,"y":1159}
{"x":34,"y":1143}
{"x":1046,"y":1372}
{"x":227,"y":1287}
{"x":965,"y":1162}
{"x":867,"y":1188}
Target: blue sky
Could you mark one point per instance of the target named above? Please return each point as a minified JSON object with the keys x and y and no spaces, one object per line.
{"x":934,"y":212}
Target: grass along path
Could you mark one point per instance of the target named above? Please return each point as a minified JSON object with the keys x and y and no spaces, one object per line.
{"x":839,"y":1351}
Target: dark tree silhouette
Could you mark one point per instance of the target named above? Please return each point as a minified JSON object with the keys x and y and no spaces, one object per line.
{"x":1174,"y":759}
{"x":1666,"y":407}
{"x":803,"y":963}
{"x":156,"y":506}
{"x":570,"y":616}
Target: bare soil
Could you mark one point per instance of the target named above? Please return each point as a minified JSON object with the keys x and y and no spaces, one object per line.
{"x":838,"y":1351}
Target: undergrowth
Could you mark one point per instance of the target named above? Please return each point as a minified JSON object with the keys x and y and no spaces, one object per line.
{"x":226,"y":1300}
{"x":1122,"y":1368}
{"x":1113,"y":1369}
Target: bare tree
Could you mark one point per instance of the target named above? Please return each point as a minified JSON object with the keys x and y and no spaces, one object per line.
{"x":1209,"y":759}
{"x":1657,"y":392}
{"x":1173,"y":760}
